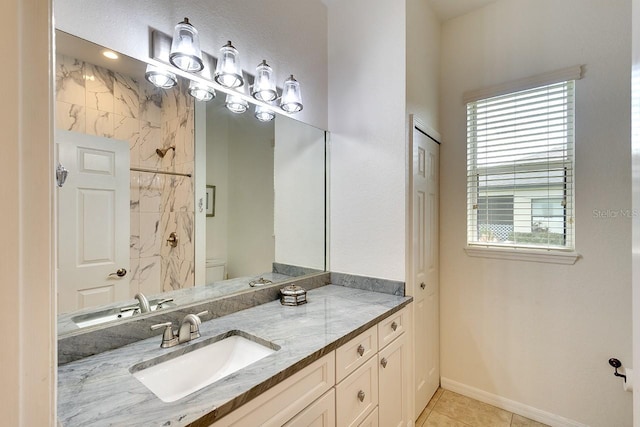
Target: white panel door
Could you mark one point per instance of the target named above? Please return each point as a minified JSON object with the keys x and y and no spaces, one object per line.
{"x":425,"y":266}
{"x":93,"y":221}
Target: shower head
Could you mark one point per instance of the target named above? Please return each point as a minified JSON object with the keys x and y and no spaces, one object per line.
{"x":163,"y":152}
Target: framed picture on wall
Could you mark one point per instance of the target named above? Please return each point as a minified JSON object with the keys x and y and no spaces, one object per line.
{"x":211,"y":200}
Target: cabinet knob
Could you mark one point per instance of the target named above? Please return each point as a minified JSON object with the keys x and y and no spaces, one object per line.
{"x":383,"y":362}
{"x":394,"y":326}
{"x":360,"y":350}
{"x":361,"y":396}
{"x":422,"y":285}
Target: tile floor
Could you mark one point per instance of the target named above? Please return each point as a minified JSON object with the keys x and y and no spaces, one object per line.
{"x":449,"y":409}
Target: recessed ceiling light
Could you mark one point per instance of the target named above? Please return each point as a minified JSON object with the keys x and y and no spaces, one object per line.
{"x":110,"y":54}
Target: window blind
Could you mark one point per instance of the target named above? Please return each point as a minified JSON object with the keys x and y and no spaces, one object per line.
{"x":520,"y":162}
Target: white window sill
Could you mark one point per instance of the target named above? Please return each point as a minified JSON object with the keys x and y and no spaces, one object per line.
{"x":519,"y":254}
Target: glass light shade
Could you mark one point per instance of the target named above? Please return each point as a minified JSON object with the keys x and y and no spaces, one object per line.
{"x":264,"y":114}
{"x":228,"y":72}
{"x":160,"y":77}
{"x":291,"y":100}
{"x":236,"y":103}
{"x":201,"y":92}
{"x":185,"y":47}
{"x":264,"y":88}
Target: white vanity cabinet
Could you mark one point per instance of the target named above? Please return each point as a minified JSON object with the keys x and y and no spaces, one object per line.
{"x":375,"y":384}
{"x":362,"y":383}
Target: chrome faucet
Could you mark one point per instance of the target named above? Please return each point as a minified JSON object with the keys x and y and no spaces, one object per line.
{"x":189,"y":330}
{"x":190,"y":327}
{"x":144,"y":302}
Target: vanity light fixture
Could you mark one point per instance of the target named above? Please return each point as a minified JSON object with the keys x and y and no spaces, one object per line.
{"x":201,"y":91}
{"x":291,"y":100}
{"x":264,"y":88}
{"x":160,"y":77}
{"x":264,"y":114}
{"x":228,"y":72}
{"x":236,"y":103}
{"x":185,"y":47}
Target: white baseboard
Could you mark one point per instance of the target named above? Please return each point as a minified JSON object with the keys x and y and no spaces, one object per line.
{"x":509,"y":405}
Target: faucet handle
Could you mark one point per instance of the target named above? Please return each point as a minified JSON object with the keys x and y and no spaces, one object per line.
{"x":195,"y":325}
{"x":135,"y":307}
{"x":163,"y":301}
{"x":169,"y":339}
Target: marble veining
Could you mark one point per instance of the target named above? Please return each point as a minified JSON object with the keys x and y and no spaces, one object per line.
{"x":70,"y":84}
{"x":99,"y":123}
{"x":100,"y":390}
{"x":70,"y":117}
{"x":126,"y":96}
{"x":150,"y":103}
{"x":99,"y":88}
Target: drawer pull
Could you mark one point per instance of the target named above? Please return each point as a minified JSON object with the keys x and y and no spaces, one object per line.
{"x":360,"y":350}
{"x":383,"y":362}
{"x":361,"y":396}
{"x":422,"y":285}
{"x":394,"y":326}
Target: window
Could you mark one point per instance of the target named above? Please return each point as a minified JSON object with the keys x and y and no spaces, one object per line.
{"x":520,"y":168}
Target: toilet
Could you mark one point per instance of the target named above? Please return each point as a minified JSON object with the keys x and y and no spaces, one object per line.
{"x":215,"y":270}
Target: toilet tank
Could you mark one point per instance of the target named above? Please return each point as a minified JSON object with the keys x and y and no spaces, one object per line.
{"x":215,"y":270}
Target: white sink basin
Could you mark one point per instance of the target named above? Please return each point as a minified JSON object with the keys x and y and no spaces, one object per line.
{"x":178,"y":374}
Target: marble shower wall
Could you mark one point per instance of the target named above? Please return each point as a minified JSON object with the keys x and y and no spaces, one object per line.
{"x":97,"y":101}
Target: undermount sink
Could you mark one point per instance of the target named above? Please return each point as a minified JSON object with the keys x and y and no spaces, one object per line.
{"x":186,"y":370}
{"x":104,"y":316}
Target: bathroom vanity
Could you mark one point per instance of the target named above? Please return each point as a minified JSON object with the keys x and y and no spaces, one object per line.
{"x":341,"y":359}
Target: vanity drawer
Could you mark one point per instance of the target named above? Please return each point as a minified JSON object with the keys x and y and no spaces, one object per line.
{"x":357,"y":395}
{"x":321,"y":413}
{"x":354,"y":353}
{"x":371,"y":420}
{"x":282,"y":402}
{"x":392,"y":327}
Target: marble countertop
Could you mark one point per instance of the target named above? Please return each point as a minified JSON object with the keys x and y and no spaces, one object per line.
{"x":100,"y":391}
{"x":180,"y":297}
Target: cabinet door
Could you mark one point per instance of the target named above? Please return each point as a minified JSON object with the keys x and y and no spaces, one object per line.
{"x":393,"y":403}
{"x":321,"y":413}
{"x":357,"y":395}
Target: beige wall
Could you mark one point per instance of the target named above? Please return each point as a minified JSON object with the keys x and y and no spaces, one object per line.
{"x":423,"y":62}
{"x":26,"y":256}
{"x":381,"y":69}
{"x":367,"y":104}
{"x":635,"y":149}
{"x":540,"y":334}
{"x":299,"y":182}
{"x":251,"y":244}
{"x":240,"y":165}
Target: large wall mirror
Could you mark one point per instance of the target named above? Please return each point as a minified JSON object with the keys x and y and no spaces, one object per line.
{"x":173,"y":198}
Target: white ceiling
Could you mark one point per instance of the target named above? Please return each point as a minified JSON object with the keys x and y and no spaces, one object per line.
{"x":448,"y":9}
